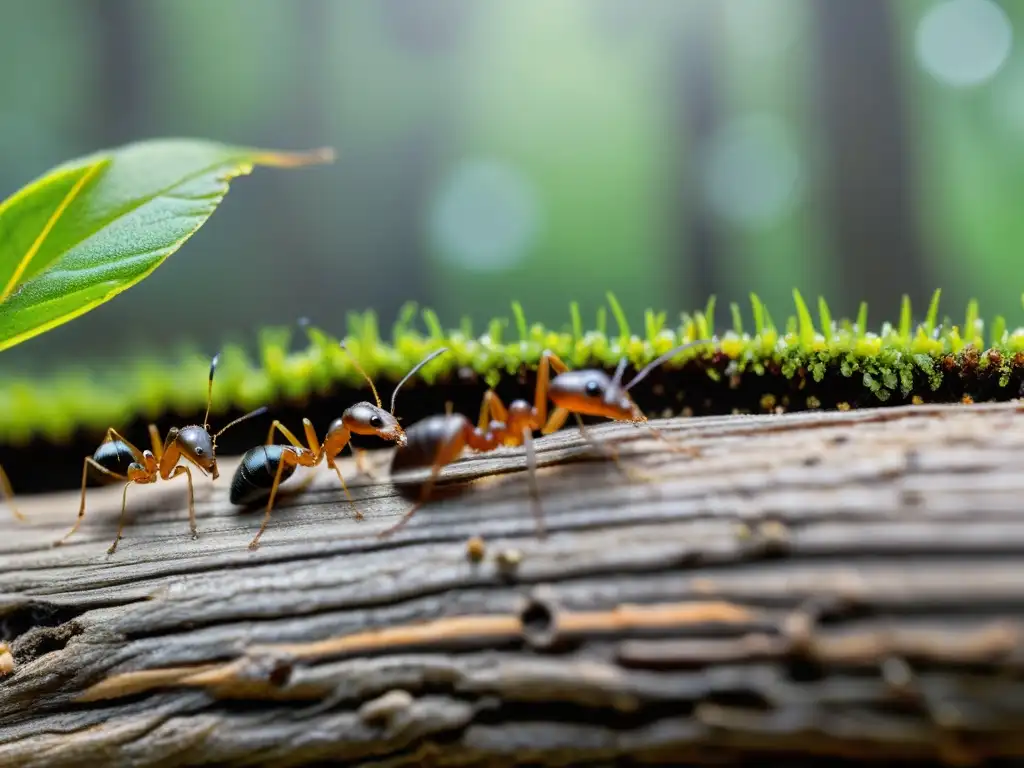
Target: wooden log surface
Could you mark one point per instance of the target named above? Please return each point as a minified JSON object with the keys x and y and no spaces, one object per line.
{"x":810,"y":586}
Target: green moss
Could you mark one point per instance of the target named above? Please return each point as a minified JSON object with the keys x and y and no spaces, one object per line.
{"x":901,"y":363}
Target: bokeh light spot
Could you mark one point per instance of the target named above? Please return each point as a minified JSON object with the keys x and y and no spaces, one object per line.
{"x":964,"y":43}
{"x":752,"y":174}
{"x":486,"y":217}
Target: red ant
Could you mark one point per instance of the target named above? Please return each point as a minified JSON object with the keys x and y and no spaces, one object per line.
{"x":118,"y":459}
{"x":6,"y":492}
{"x":267,"y":466}
{"x":439,"y":440}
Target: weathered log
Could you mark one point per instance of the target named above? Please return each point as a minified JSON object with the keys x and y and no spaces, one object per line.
{"x":811,"y":586}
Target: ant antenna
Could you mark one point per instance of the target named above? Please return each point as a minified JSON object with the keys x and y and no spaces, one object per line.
{"x":419,"y":365}
{"x":209,"y":391}
{"x":667,"y":356}
{"x":619,"y":371}
{"x":360,"y":369}
{"x":258,"y":412}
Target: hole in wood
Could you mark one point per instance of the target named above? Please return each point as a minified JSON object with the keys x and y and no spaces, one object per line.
{"x":540,"y":626}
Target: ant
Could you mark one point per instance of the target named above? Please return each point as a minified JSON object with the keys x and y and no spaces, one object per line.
{"x":6,"y":492}
{"x":267,"y":466}
{"x":439,"y":440}
{"x":592,"y":393}
{"x":118,"y":459}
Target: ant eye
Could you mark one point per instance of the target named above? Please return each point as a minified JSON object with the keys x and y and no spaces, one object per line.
{"x":592,"y":388}
{"x":376,"y":422}
{"x":199,"y":451}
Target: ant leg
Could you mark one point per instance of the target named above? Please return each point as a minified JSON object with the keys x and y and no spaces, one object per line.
{"x":311,"y":438}
{"x":8,"y":493}
{"x":492,"y":408}
{"x":449,"y":408}
{"x":611,"y":453}
{"x":556,"y":421}
{"x":89,"y":460}
{"x":548,"y":360}
{"x":158,"y":446}
{"x":286,"y":458}
{"x":428,"y":486}
{"x":120,"y":522}
{"x":113,"y":434}
{"x":304,"y":484}
{"x":485,"y":410}
{"x":556,"y":362}
{"x":361,"y":466}
{"x":672,"y":445}
{"x":319,"y":453}
{"x":287,"y":434}
{"x":182,"y":469}
{"x":344,"y":487}
{"x":531,"y":471}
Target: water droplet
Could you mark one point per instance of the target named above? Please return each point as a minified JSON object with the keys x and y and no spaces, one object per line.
{"x":486,"y":216}
{"x":964,"y":43}
{"x":752,"y":175}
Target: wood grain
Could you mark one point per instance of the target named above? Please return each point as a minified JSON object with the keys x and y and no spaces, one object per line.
{"x":810,"y":586}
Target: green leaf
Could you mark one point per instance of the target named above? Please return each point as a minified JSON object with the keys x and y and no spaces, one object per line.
{"x":95,"y":226}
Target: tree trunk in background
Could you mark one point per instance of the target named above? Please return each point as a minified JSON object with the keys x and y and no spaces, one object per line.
{"x":432,"y":31}
{"x":696,"y":269}
{"x":119,"y":116}
{"x":869,"y":174}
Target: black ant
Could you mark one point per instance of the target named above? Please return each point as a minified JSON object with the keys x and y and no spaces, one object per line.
{"x":118,"y":459}
{"x":6,"y":492}
{"x":439,"y":440}
{"x":267,"y":466}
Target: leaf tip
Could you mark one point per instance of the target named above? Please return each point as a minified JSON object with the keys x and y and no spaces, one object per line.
{"x":319,"y":156}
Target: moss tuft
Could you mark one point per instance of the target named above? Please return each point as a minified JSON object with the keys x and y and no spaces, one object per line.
{"x":837,"y":364}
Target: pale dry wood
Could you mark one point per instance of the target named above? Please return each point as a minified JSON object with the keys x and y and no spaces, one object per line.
{"x":830,"y":585}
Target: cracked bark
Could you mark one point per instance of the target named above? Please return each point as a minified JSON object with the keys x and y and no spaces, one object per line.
{"x":840,"y":585}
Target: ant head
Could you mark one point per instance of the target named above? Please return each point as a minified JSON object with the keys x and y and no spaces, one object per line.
{"x":196,"y":445}
{"x":593,"y":393}
{"x":368,"y":419}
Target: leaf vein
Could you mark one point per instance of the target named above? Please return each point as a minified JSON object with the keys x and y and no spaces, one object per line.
{"x":47,"y":228}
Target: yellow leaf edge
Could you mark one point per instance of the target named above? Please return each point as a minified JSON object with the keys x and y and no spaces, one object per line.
{"x":90,"y":171}
{"x":236,"y":167}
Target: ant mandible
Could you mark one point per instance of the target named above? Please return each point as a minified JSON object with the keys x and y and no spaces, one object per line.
{"x":118,"y":459}
{"x":439,"y":440}
{"x":267,"y":466}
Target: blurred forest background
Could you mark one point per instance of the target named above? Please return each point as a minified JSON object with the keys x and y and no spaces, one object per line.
{"x":539,"y":151}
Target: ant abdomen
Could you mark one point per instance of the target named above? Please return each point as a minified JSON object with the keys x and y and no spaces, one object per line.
{"x":114,"y":456}
{"x":255,"y":474}
{"x":424,"y":441}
